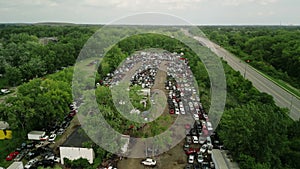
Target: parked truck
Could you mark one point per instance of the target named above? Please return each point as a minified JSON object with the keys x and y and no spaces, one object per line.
{"x":36,"y":135}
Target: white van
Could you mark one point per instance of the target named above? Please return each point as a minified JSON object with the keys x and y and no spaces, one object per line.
{"x":195,"y":140}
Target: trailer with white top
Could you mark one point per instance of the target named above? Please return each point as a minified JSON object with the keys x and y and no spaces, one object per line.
{"x":36,"y":135}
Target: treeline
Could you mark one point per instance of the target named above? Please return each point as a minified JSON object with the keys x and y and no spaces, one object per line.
{"x":24,"y":55}
{"x":257,"y":132}
{"x":273,"y":50}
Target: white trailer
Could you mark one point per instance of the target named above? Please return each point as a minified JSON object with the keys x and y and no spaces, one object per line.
{"x":16,"y":165}
{"x":36,"y":135}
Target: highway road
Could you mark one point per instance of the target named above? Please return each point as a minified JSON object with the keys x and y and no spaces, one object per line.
{"x":281,"y":97}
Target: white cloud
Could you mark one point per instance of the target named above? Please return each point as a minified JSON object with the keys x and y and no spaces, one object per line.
{"x":240,"y":2}
{"x":145,"y":4}
{"x":196,"y":11}
{"x":18,"y":3}
{"x":265,"y":13}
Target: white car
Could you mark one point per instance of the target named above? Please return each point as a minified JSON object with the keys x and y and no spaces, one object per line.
{"x":196,"y":116}
{"x":176,"y":111}
{"x":202,"y":140}
{"x":203,"y":148}
{"x":5,"y":91}
{"x":182,"y":111}
{"x":52,"y":137}
{"x":149,"y":162}
{"x":31,"y":163}
{"x":209,"y":126}
{"x":200,"y":158}
{"x":42,"y":144}
{"x":191,"y":105}
{"x":205,"y":116}
{"x":195,"y":140}
{"x":60,"y":131}
{"x":181,"y":105}
{"x":191,"y":159}
{"x":52,"y":157}
{"x":208,"y":141}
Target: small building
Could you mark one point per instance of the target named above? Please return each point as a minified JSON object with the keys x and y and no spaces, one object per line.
{"x":46,"y":40}
{"x":74,"y":153}
{"x":145,"y":92}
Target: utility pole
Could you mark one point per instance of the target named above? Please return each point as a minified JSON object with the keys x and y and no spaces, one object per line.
{"x":247,"y":61}
{"x":245,"y":70}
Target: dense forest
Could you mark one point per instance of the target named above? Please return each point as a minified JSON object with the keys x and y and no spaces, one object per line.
{"x":33,"y":51}
{"x":257,"y":132}
{"x":273,"y":50}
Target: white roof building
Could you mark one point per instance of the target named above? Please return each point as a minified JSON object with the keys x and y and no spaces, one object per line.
{"x":74,"y":153}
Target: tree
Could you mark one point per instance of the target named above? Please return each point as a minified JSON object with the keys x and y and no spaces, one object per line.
{"x":13,"y":75}
{"x":38,"y":103}
{"x":257,"y":130}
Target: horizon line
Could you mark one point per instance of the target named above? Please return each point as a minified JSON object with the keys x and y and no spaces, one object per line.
{"x":146,"y":24}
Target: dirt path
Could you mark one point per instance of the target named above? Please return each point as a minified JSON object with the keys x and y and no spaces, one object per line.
{"x":174,"y":158}
{"x":160,"y":79}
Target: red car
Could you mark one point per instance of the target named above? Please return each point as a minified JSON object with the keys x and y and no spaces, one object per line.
{"x":187,"y":126}
{"x":192,"y":151}
{"x":72,"y":113}
{"x":171,"y":111}
{"x":11,"y":156}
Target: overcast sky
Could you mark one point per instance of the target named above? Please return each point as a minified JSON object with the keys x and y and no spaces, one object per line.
{"x":253,"y":12}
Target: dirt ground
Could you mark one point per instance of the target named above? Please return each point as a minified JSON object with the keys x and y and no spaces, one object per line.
{"x":172,"y":159}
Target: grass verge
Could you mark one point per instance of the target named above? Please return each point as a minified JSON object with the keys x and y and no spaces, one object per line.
{"x":285,"y":86}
